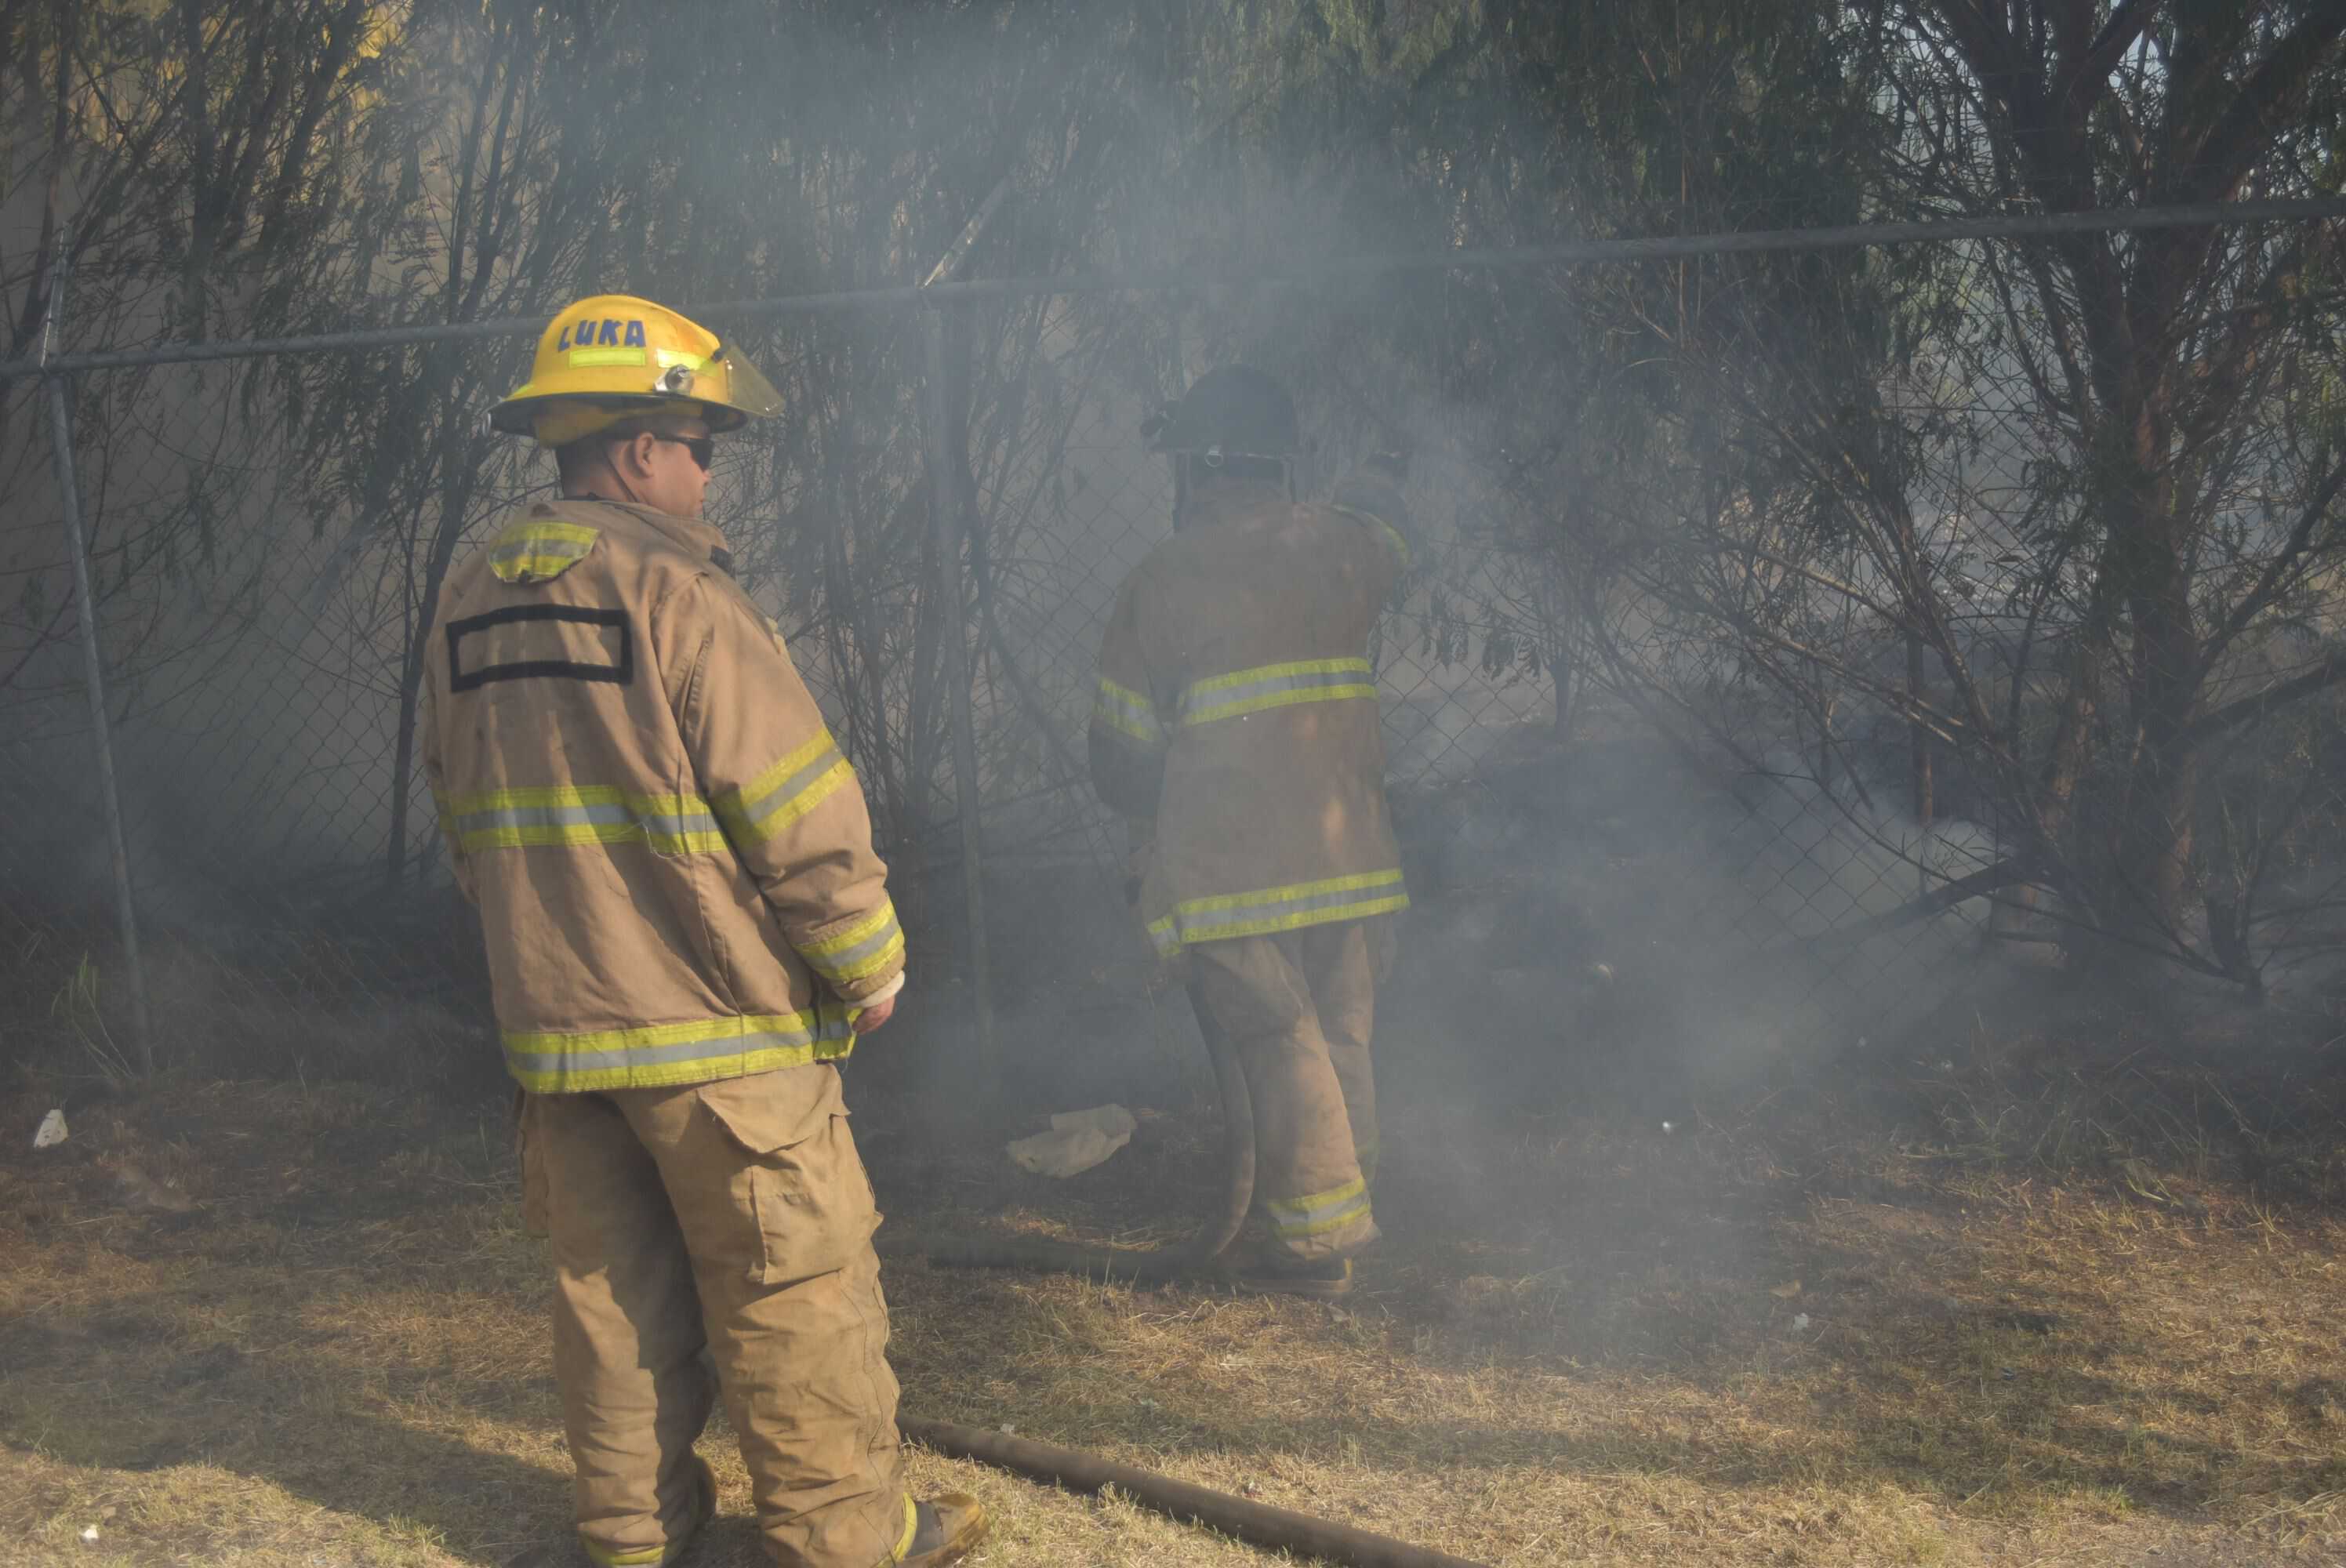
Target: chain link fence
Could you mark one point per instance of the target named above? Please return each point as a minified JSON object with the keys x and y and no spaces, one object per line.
{"x":258,"y":608}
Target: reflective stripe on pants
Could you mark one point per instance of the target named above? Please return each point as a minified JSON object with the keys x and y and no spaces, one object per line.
{"x":1300,"y":1008}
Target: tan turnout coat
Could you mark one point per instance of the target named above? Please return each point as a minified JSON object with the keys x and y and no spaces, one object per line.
{"x":672,"y":859}
{"x":1237,"y":708}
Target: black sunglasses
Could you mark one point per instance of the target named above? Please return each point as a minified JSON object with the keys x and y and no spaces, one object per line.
{"x":703,"y":448}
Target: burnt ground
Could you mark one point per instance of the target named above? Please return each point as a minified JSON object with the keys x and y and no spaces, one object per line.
{"x":2047,"y":1280}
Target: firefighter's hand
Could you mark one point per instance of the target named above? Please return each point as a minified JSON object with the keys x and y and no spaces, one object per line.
{"x":871,"y":1017}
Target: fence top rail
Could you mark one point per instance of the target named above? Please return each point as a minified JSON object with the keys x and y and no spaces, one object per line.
{"x":2037,"y":226}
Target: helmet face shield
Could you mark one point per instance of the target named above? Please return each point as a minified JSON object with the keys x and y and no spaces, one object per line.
{"x":744,"y":388}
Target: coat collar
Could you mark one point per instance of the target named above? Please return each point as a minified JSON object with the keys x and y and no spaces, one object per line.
{"x":1248,"y":501}
{"x":691,"y":535}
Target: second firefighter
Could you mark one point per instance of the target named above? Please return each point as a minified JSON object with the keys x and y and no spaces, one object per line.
{"x":1236,"y":729}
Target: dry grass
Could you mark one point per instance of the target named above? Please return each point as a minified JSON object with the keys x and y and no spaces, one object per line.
{"x":1992,"y":1309}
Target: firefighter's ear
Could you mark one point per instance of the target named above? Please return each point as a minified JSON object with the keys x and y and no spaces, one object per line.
{"x":633,"y":456}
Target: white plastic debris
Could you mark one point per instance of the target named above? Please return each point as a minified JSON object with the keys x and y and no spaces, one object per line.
{"x":89,"y":1533}
{"x":1800,"y":1320}
{"x":1078,"y":1141}
{"x":52,"y":1130}
{"x":1669,"y":1126}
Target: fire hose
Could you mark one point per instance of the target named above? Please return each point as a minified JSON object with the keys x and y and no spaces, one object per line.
{"x":1197,"y":1258}
{"x":1258,"y":1523}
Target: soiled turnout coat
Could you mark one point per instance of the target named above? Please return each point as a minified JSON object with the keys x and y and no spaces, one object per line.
{"x":683,"y":913}
{"x":1236,"y":725}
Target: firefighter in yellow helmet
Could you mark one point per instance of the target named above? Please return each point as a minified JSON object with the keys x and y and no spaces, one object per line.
{"x":686,"y":930}
{"x":1236,"y":729}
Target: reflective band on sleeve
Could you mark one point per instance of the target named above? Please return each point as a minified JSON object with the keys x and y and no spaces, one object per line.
{"x":572,"y":815}
{"x":1317,"y":1214}
{"x":863,"y":949}
{"x":633,"y":1558}
{"x":1125,"y":710}
{"x":1277,"y":685}
{"x":660,"y":1056}
{"x":1393,"y":536}
{"x":539,"y":552}
{"x":786,"y":791}
{"x":1279,"y":909}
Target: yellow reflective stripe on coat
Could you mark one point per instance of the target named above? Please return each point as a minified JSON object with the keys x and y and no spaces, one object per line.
{"x":1393,"y":536}
{"x":1123,"y":710}
{"x":1318,"y":1213}
{"x":1274,"y":909}
{"x":786,"y":791}
{"x":578,"y":814}
{"x":1277,"y":685}
{"x":864,"y":948}
{"x":660,"y":1056}
{"x":635,"y":1558}
{"x":539,"y":552}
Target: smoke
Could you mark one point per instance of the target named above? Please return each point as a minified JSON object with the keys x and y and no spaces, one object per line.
{"x":1578,"y":893}
{"x":1634,"y":931}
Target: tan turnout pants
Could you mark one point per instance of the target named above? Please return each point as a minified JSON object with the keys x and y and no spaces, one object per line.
{"x":1300,"y":1008}
{"x":734,"y":1217}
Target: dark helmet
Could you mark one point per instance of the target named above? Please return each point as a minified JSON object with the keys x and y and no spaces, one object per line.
{"x":1234,"y":411}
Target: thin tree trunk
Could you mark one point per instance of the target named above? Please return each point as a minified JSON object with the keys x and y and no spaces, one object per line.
{"x":1919,"y":742}
{"x":2154,"y":870}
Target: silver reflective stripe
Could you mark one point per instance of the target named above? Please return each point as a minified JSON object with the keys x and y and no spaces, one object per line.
{"x":792,"y":787}
{"x":1274,"y":909}
{"x":1225,"y":698}
{"x":677,"y":826}
{"x":612,"y":814}
{"x":847,"y":957}
{"x":1124,"y":709}
{"x":1307,"y":1217}
{"x":558,"y":1060}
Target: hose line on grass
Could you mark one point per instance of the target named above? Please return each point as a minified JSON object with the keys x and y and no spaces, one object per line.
{"x":1258,"y":1523}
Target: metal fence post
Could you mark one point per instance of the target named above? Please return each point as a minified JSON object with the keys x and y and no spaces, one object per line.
{"x":947,"y":515}
{"x":947,"y":419}
{"x":53,"y":387}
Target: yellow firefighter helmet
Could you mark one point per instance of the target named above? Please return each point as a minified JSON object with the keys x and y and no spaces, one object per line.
{"x":615,"y":357}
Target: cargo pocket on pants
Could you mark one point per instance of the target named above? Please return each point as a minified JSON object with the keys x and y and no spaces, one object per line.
{"x":801,"y":1205}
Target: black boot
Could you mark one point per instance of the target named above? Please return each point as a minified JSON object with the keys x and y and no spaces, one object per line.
{"x":1324,"y":1278}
